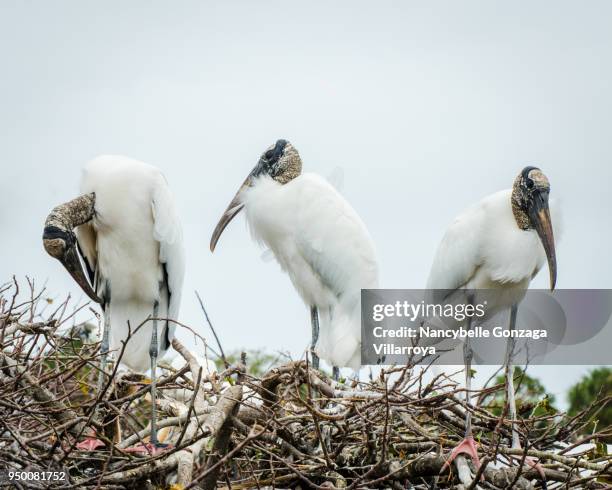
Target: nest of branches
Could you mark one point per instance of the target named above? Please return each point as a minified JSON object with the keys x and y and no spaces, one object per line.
{"x":292,"y":427}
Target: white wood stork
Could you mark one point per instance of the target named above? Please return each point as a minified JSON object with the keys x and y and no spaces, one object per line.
{"x":318,"y":239}
{"x":130,"y":239}
{"x":500,"y":243}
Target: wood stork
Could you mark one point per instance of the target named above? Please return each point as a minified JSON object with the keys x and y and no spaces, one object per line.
{"x":318,"y":239}
{"x":129,"y":238}
{"x":500,"y":243}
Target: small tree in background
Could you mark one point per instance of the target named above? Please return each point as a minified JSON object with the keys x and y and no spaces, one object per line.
{"x":584,"y":395}
{"x":532,"y":399}
{"x":258,"y":360}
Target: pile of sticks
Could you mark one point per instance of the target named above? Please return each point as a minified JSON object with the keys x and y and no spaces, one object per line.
{"x":292,"y":427}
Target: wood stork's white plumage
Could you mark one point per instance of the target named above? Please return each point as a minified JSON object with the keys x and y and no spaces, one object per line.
{"x":319,"y":241}
{"x":130,"y":240}
{"x":134,"y":245}
{"x":499,"y":244}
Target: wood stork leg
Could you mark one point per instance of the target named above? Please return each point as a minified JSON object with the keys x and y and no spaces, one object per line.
{"x":314,"y":318}
{"x":153,"y":447}
{"x":468,"y":445}
{"x":153,"y":351}
{"x":509,"y":370}
{"x":511,"y":396}
{"x":91,"y":442}
{"x":104,"y":347}
{"x":335,"y":373}
{"x":468,"y":354}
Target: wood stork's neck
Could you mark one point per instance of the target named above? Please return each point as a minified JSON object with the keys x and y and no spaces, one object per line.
{"x":520,"y":216}
{"x":73,"y":213}
{"x":65,"y":218}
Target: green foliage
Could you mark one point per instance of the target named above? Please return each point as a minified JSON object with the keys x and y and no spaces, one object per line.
{"x":584,"y":395}
{"x":531,"y":397}
{"x":530,"y":394}
{"x":258,"y":360}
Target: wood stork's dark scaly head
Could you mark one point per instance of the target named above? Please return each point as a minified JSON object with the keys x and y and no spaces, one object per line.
{"x":60,"y":241}
{"x":530,"y":207}
{"x":281,"y":162}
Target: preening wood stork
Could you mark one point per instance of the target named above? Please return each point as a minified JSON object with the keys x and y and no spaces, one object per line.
{"x":318,"y":239}
{"x":129,"y":238}
{"x":499,"y":243}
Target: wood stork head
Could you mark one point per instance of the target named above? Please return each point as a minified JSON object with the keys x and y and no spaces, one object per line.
{"x":60,"y":241}
{"x":281,"y":162}
{"x":530,"y":207}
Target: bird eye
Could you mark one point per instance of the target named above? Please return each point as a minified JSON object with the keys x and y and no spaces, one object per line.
{"x":268,"y":155}
{"x":529,"y":183}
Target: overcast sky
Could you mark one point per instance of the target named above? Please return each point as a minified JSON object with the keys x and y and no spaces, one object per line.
{"x":424,"y":108}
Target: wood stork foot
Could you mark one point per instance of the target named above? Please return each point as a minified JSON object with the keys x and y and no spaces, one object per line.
{"x":468,"y":447}
{"x":533,"y":463}
{"x":90,"y":443}
{"x":148,"y":449}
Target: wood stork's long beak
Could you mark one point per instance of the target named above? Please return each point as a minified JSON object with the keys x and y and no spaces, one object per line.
{"x":540,"y":217}
{"x":72,"y":263}
{"x":59,"y":240}
{"x":61,"y":245}
{"x":232,"y":210}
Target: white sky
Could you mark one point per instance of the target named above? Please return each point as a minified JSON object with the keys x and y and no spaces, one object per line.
{"x":426,"y":108}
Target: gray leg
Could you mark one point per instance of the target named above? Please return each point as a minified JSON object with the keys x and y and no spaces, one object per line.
{"x":510,"y":394}
{"x":105,"y":337}
{"x":510,"y":378}
{"x":335,"y":373}
{"x":468,"y":354}
{"x":467,"y":357}
{"x":104,"y":346}
{"x":468,"y":445}
{"x":91,"y":441}
{"x":314,"y":318}
{"x":153,"y":351}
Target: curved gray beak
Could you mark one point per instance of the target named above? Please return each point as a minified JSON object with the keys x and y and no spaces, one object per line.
{"x":235,"y":206}
{"x":540,"y":217}
{"x":72,"y":263}
{"x":61,"y":245}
